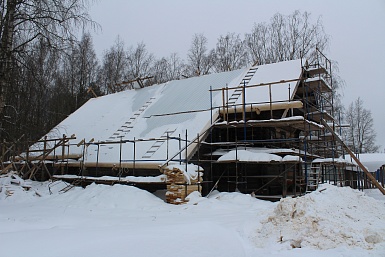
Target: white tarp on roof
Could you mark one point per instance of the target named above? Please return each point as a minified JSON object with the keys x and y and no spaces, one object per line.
{"x":174,"y":109}
{"x":270,"y":73}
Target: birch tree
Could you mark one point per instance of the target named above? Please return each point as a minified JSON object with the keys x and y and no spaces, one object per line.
{"x":286,"y":38}
{"x":230,"y":53}
{"x":361,"y":136}
{"x":200,"y":59}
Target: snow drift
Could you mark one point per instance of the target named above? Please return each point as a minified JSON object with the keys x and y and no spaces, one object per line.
{"x":329,"y":218}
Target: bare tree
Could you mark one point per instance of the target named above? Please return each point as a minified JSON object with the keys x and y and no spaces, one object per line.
{"x":257,"y":44}
{"x":230,"y":53}
{"x":139,"y":62}
{"x":166,"y":69}
{"x":82,"y":67}
{"x":286,"y":38}
{"x":25,"y":21}
{"x":200,"y":61}
{"x":360,"y":135}
{"x":114,"y":68}
{"x":159,"y":71}
{"x":30,"y":93}
{"x":176,"y":67}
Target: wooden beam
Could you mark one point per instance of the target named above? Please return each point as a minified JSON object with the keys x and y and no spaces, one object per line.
{"x":92,"y":91}
{"x":368,"y":174}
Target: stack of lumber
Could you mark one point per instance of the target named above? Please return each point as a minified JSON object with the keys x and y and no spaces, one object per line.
{"x":176,"y":194}
{"x":175,"y":176}
{"x":179,"y":188}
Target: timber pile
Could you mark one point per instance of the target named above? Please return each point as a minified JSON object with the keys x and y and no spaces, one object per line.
{"x":179,"y":188}
{"x":11,"y":182}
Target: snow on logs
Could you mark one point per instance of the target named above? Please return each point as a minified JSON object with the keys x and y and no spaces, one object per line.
{"x":182,"y":182}
{"x":258,"y":108}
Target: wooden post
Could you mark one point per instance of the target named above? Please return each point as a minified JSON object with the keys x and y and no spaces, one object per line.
{"x":227,"y":104}
{"x":295,"y":180}
{"x":271,"y":104}
{"x":133,"y":171}
{"x":244,"y":102}
{"x":199,"y":178}
{"x":284,"y":186}
{"x":223,"y":102}
{"x":120,"y":158}
{"x":62,"y":152}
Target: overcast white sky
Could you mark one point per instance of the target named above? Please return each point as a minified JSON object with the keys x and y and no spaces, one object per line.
{"x":356,"y":28}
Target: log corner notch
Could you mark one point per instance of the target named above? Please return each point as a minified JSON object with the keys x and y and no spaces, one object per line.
{"x":368,"y":174}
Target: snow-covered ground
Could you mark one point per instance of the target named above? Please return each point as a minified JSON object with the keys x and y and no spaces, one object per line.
{"x":125,"y":221}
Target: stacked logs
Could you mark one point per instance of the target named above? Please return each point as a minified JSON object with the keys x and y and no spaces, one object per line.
{"x":178,"y":188}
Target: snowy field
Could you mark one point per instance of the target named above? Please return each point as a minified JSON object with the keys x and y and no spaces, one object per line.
{"x":125,"y":221}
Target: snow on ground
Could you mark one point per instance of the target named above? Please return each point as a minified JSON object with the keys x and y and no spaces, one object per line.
{"x":126,"y":221}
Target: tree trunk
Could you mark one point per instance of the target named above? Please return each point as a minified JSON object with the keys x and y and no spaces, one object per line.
{"x":6,"y":50}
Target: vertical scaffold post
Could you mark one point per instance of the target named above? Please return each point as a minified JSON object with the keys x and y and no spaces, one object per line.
{"x":227,"y":104}
{"x":186,"y":151}
{"x":211,"y":105}
{"x":244,"y":110}
{"x":120,"y":157}
{"x":180,"y":148}
{"x":133,"y":170}
{"x":97,"y":159}
{"x":223,"y":102}
{"x":236,"y":163}
{"x":62,"y":152}
{"x":271,"y":103}
{"x":82,"y":162}
{"x":167,"y":133}
{"x":198,"y":183}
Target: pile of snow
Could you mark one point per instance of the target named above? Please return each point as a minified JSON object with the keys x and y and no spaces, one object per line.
{"x":328,"y":218}
{"x":118,"y":220}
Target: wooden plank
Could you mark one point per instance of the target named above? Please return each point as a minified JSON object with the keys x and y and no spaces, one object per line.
{"x":6,"y":169}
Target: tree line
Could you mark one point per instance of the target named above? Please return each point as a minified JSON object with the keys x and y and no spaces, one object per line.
{"x":46,"y":72}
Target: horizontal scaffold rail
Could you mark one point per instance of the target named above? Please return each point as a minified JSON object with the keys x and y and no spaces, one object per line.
{"x":257,"y":85}
{"x":258,"y":108}
{"x":297,"y":122}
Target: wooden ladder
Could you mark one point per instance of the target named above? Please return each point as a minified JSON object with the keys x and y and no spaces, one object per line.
{"x":128,"y":125}
{"x":245,"y":81}
{"x":158,"y":143}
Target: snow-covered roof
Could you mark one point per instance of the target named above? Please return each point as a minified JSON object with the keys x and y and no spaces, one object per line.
{"x":333,"y":161}
{"x":372,"y":161}
{"x":257,"y":155}
{"x":248,"y":156}
{"x":273,"y":73}
{"x":170,"y":109}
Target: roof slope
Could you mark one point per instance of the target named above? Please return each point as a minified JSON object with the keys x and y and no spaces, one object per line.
{"x":175,"y":108}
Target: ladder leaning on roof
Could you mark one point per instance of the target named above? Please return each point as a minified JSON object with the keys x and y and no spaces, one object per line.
{"x":245,"y":81}
{"x":371,"y":178}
